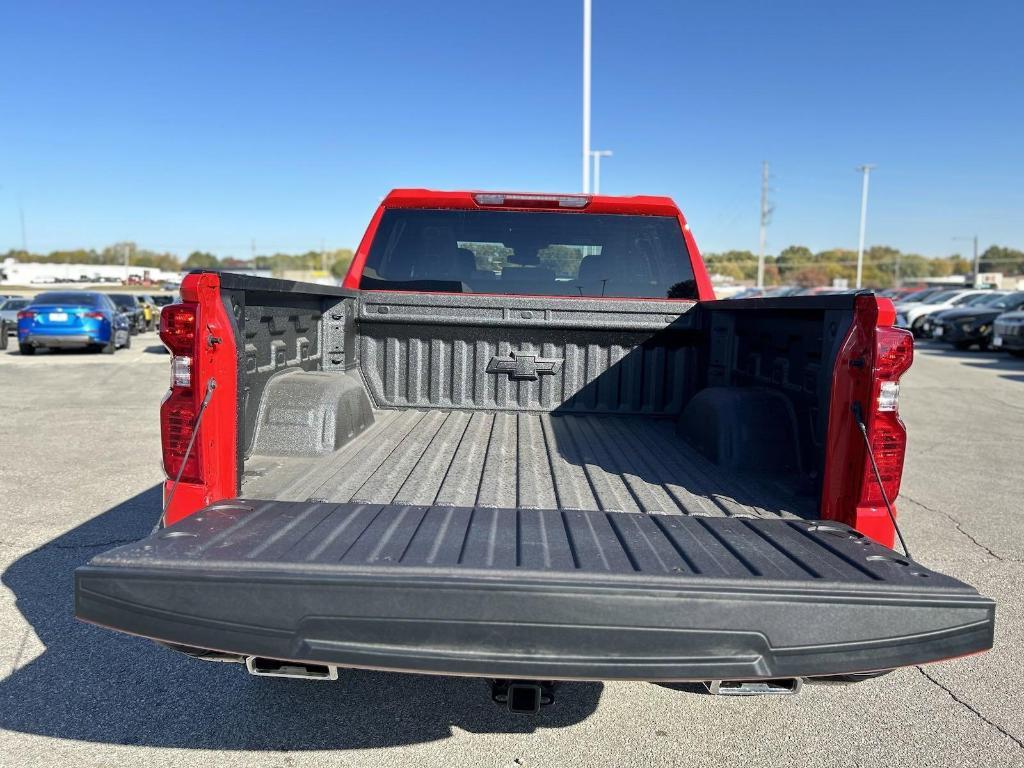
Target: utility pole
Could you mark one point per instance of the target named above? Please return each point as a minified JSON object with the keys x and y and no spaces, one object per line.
{"x":866,"y":170}
{"x":766,"y":216}
{"x":977,"y":262}
{"x":977,"y":259}
{"x":597,"y":155}
{"x":586,"y":96}
{"x":21,"y":215}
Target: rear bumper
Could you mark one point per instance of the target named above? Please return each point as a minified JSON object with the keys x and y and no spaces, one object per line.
{"x":956,"y":333}
{"x":61,"y":340}
{"x":384,"y":588}
{"x":1013,"y":341}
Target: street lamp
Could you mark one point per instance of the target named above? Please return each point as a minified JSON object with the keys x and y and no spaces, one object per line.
{"x":977,"y":262}
{"x":866,"y":170}
{"x":586,"y":96}
{"x":597,"y":154}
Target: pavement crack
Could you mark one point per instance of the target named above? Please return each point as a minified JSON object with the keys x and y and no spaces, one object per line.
{"x":958,"y":525}
{"x":970,"y":708}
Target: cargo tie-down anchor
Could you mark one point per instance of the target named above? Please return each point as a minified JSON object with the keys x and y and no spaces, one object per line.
{"x":524,"y":697}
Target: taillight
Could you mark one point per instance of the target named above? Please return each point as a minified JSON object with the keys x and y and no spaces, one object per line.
{"x":93,"y":315}
{"x":894,"y":352}
{"x":177,"y":423}
{"x":180,"y":407}
{"x":178,"y":327}
{"x":26,"y":314}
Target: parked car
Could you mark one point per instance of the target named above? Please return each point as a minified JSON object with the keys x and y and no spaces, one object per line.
{"x":150,"y":310}
{"x":1008,"y":333}
{"x":72,"y":319}
{"x":974,"y":325}
{"x":126,"y":303}
{"x":911,"y":315}
{"x":988,"y":297}
{"x":9,"y":311}
{"x":528,"y":474}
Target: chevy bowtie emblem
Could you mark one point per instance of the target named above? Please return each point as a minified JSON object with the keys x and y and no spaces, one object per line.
{"x":523,"y":366}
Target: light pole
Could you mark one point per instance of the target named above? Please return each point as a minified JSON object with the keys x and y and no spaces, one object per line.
{"x":597,"y":154}
{"x":866,"y":170}
{"x":977,"y":261}
{"x":586,"y":96}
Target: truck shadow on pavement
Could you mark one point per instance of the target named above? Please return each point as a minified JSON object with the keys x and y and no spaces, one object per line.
{"x":1007,"y":366}
{"x":95,"y":685}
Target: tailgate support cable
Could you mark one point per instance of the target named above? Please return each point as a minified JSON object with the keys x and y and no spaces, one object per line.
{"x":210,"y":386}
{"x":857,"y":414}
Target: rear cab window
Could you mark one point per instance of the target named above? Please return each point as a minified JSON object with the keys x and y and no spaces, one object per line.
{"x":69,"y":298}
{"x":530,"y":253}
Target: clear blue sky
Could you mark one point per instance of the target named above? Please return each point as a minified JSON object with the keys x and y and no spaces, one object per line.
{"x":189,"y":125}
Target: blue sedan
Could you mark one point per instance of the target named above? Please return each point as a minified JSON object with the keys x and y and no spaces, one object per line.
{"x":72,"y":319}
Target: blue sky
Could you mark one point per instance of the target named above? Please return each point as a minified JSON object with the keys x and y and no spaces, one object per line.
{"x":209,"y":125}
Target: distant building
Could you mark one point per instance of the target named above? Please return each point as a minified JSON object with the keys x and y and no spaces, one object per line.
{"x":43,"y":273}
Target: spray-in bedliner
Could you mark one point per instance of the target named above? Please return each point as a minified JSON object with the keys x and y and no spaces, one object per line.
{"x":526,"y":460}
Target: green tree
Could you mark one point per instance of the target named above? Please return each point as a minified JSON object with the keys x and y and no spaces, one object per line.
{"x":997,"y":258}
{"x":201,"y":260}
{"x":741,"y":265}
{"x":340,"y":260}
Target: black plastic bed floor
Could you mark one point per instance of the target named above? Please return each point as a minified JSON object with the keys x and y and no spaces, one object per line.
{"x":525,"y":461}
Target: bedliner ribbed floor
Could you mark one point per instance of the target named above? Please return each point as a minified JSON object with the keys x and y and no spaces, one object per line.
{"x":523,"y":460}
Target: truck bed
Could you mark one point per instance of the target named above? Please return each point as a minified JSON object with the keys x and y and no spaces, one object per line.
{"x":526,"y":461}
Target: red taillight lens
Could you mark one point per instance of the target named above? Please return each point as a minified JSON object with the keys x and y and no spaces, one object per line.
{"x":93,"y":315}
{"x":26,"y":314}
{"x":888,"y":439}
{"x":177,"y":422}
{"x":178,"y":411}
{"x":178,"y":328}
{"x":894,"y":352}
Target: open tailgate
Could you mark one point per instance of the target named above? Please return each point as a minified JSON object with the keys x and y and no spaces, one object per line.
{"x":532,"y":593}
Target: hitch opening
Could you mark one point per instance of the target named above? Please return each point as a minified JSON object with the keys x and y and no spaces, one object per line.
{"x":523,"y":697}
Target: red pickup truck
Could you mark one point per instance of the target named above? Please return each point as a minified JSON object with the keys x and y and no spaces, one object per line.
{"x":524,"y":442}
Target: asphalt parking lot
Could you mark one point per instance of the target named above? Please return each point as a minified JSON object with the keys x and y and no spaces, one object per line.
{"x":80,"y":473}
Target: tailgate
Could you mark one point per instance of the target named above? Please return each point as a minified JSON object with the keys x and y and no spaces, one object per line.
{"x":532,"y":593}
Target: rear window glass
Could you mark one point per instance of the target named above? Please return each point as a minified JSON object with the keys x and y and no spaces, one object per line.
{"x":122,"y":300}
{"x":1009,"y":301}
{"x":70,"y":297}
{"x":531,"y":253}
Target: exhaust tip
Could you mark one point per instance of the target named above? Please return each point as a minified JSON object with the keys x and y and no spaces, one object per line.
{"x":264,"y":667}
{"x":782,"y":686}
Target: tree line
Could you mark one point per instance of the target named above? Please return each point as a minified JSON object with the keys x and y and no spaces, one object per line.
{"x":883,"y":267}
{"x":334,"y":261}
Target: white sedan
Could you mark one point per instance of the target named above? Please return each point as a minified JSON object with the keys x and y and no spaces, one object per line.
{"x":912,"y":315}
